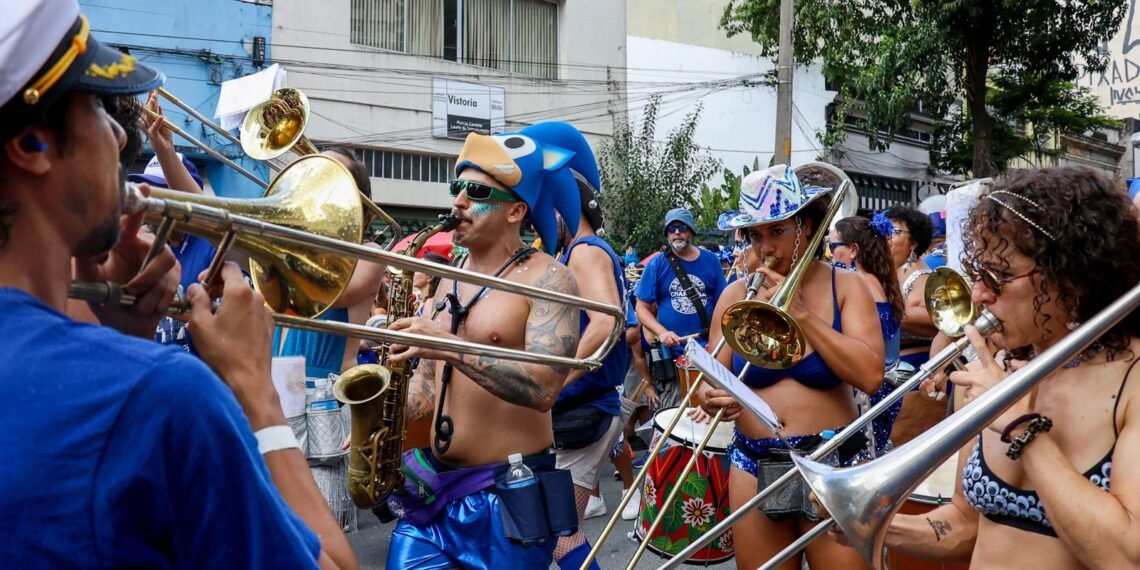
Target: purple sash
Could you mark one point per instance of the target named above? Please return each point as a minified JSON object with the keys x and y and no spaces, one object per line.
{"x":427,"y":492}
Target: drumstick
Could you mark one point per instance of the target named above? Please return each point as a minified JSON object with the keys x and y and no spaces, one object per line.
{"x":639,"y":391}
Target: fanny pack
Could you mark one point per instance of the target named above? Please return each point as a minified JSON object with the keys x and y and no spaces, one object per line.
{"x":792,"y":498}
{"x":578,"y":427}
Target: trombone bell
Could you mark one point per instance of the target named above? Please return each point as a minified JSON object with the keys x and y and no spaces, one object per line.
{"x":949,"y":301}
{"x":275,"y":126}
{"x":314,"y":194}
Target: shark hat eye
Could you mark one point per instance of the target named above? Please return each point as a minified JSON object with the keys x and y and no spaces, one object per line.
{"x":517,"y":146}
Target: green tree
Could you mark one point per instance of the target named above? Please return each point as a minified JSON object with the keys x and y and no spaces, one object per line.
{"x":892,"y":57}
{"x":644,"y":178}
{"x":715,"y":201}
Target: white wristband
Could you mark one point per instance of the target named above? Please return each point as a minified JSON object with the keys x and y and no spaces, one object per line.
{"x":275,"y":438}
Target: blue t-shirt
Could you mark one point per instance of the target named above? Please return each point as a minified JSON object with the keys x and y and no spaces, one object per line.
{"x":674,"y":310}
{"x":597,"y":388}
{"x":120,"y":452}
{"x":194,"y":255}
{"x":323,"y":352}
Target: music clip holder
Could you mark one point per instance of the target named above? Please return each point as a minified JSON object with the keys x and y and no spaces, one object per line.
{"x":717,"y":375}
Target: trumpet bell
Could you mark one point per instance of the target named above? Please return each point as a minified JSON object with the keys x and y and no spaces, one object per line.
{"x":949,"y":301}
{"x":314,"y":194}
{"x":274,"y":127}
{"x":763,"y":334}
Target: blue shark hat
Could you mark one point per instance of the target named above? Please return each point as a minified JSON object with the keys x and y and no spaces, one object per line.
{"x":538,"y":173}
{"x":770,"y":195}
{"x":583,"y":165}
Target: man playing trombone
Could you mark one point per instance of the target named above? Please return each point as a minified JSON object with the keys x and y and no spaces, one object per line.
{"x":125,"y":453}
{"x":487,"y":409}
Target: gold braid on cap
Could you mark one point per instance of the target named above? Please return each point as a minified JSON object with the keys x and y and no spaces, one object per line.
{"x":1023,"y":217}
{"x":77,"y":47}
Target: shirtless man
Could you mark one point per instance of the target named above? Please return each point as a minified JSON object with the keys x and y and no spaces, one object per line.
{"x":488,"y":408}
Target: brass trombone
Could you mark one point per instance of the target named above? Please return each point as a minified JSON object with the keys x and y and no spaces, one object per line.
{"x":746,"y":321}
{"x":270,"y":129}
{"x":939,"y":291}
{"x":303,"y":244}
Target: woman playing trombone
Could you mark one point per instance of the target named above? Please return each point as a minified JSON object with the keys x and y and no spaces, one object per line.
{"x":812,"y":398}
{"x":1046,"y":250}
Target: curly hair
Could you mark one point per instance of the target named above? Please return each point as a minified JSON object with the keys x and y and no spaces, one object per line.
{"x":874,"y":257}
{"x":1091,"y":258}
{"x":918,"y":224}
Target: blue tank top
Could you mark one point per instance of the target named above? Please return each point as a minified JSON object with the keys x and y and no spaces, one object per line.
{"x":323,"y":352}
{"x":597,"y":388}
{"x":812,"y":371}
{"x":891,"y":336}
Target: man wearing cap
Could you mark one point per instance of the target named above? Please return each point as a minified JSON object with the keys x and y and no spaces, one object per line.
{"x":124,"y":453}
{"x":587,"y":398}
{"x":458,"y":510}
{"x":678,"y":291}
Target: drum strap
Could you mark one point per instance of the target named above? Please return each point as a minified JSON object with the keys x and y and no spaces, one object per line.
{"x":444,"y":425}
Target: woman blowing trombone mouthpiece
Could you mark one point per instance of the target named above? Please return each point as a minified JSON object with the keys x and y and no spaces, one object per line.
{"x":1053,"y":482}
{"x":842,"y":348}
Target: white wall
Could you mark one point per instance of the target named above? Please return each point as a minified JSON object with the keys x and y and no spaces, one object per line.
{"x":385,"y":102}
{"x":738,"y":121}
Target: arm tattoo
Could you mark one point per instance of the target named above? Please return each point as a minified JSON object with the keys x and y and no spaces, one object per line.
{"x":421,"y":391}
{"x":551,"y":329}
{"x":941,"y":528}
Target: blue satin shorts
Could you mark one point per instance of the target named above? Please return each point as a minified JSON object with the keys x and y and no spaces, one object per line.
{"x":468,"y":534}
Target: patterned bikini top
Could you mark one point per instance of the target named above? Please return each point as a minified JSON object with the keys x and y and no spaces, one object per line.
{"x":1021,"y":508}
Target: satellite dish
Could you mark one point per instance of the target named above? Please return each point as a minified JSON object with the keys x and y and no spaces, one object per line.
{"x":827,"y":176}
{"x":928,"y":191}
{"x":931,"y":204}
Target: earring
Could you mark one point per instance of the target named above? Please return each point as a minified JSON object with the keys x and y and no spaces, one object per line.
{"x":853,"y":263}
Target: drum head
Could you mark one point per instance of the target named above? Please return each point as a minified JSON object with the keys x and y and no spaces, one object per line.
{"x":939,"y":487}
{"x":691,"y":433}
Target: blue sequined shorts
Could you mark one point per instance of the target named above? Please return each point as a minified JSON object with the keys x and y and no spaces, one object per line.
{"x":745,"y":451}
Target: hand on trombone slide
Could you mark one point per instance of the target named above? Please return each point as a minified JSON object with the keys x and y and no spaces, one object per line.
{"x":712,"y":400}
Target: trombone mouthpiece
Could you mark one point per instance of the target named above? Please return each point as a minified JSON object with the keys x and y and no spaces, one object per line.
{"x":133,"y":200}
{"x":769,"y":261}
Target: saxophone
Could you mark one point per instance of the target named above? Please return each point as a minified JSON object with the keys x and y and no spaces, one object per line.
{"x":377,"y":396}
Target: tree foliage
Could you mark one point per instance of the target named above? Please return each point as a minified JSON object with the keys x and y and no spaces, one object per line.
{"x":644,"y":178}
{"x":895,"y":56}
{"x":715,"y":201}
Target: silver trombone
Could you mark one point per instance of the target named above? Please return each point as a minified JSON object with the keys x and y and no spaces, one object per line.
{"x":863,"y":499}
{"x":948,"y":301}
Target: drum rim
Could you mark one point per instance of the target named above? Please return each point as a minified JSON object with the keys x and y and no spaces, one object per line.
{"x":660,"y":427}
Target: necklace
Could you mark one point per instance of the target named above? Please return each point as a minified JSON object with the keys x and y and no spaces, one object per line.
{"x":1085,"y":355}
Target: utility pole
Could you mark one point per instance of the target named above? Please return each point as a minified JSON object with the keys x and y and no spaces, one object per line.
{"x":784,"y":60}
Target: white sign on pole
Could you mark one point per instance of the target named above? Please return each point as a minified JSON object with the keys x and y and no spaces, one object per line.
{"x":459,"y":108}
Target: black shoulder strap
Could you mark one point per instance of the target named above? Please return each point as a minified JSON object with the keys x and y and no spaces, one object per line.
{"x":690,"y":291}
{"x":444,"y":425}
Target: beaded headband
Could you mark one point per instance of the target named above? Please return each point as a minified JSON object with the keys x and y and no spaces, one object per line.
{"x":1023,"y":217}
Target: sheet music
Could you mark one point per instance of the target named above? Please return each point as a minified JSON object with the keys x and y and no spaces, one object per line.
{"x":723,"y":378}
{"x":239,"y":95}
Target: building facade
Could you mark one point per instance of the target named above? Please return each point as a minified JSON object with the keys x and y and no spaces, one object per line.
{"x":401,"y":82}
{"x":198,"y":44}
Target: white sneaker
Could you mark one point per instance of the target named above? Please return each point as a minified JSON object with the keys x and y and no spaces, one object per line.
{"x":632,"y":508}
{"x":596,"y":507}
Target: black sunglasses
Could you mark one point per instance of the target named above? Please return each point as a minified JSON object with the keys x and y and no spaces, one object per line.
{"x":479,"y":191}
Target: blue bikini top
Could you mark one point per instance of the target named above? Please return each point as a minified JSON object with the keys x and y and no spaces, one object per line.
{"x":812,"y":371}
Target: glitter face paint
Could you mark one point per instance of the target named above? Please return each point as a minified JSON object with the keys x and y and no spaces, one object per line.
{"x":483,"y":208}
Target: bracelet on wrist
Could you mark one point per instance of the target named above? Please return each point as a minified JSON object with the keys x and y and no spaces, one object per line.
{"x":1022,"y":419}
{"x":1038,"y":425}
